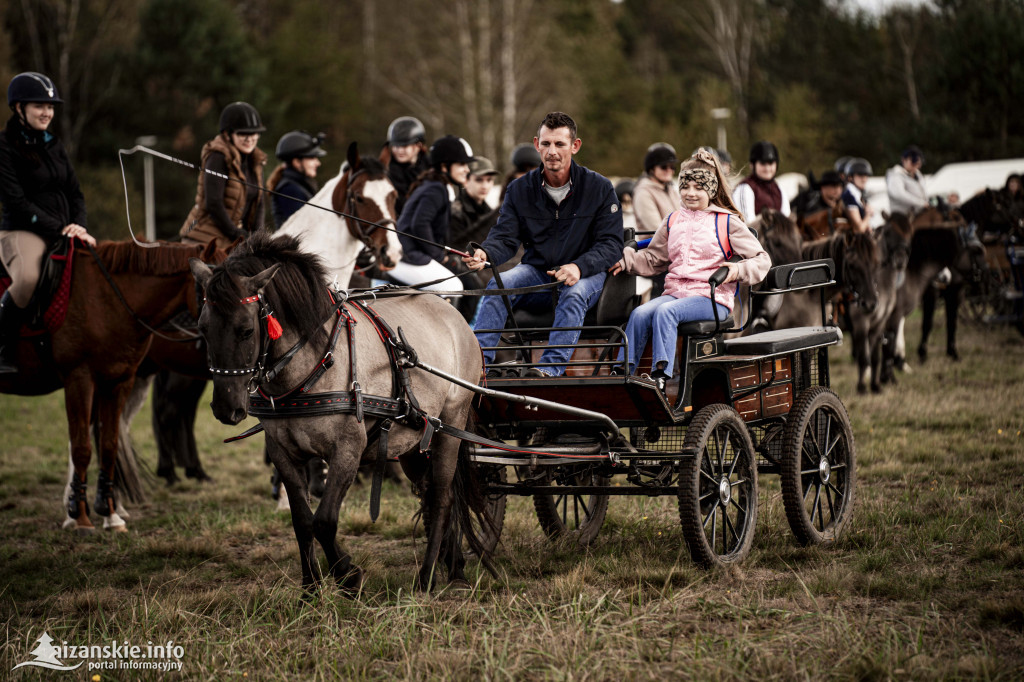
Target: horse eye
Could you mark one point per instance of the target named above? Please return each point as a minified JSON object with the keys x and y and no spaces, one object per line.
{"x":247,"y":333}
{"x":359,"y":199}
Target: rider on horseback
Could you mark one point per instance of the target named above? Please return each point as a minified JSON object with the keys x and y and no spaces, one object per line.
{"x":759,"y":190}
{"x":300,"y":155}
{"x":229,"y":200}
{"x":405,"y":156}
{"x":41,"y":200}
{"x":905,"y":183}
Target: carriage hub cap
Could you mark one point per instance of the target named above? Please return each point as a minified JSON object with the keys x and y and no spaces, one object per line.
{"x":824,"y":470}
{"x":724,"y":490}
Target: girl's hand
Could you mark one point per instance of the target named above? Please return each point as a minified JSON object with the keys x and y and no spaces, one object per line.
{"x":734,"y":273}
{"x":75,"y":230}
{"x":615,"y":269}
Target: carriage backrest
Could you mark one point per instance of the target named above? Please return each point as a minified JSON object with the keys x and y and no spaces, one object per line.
{"x":800,"y":275}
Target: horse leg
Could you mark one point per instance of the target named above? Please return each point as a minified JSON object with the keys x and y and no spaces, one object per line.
{"x":875,"y":344}
{"x":175,"y":399}
{"x":438,"y":499}
{"x":952,"y":298}
{"x":861,"y":352}
{"x":293,"y":480}
{"x":78,"y":395}
{"x":110,"y":397}
{"x":341,"y":472}
{"x":927,"y":320}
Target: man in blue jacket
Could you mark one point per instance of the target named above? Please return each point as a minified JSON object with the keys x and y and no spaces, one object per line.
{"x":569,"y":222}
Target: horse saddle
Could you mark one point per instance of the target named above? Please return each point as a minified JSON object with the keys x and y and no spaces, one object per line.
{"x":49,"y":303}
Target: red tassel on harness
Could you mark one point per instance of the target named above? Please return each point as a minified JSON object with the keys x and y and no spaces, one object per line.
{"x":273,"y":328}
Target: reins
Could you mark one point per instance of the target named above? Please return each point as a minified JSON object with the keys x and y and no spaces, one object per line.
{"x":190,"y":336}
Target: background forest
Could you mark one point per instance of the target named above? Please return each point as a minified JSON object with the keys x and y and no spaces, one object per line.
{"x":818,"y":77}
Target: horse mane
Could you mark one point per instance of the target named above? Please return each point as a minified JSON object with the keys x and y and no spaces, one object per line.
{"x":373,"y":167}
{"x":935,"y":244}
{"x":166,"y":259}
{"x":297,"y":294}
{"x":836,"y":247}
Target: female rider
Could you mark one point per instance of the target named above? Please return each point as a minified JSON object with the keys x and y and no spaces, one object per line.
{"x":227,"y":210}
{"x":427,"y":215}
{"x":41,"y":200}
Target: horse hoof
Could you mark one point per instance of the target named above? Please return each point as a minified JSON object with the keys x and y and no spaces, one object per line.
{"x":351,"y":582}
{"x":84,"y":530}
{"x":69,"y":523}
{"x":862,"y":390}
{"x":168,"y":475}
{"x":198,"y":474}
{"x":876,"y":389}
{"x":460,"y":585}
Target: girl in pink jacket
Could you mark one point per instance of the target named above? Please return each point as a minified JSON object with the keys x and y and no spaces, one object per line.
{"x":689,"y":245}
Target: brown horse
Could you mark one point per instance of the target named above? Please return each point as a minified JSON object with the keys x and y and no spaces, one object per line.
{"x":97,"y":349}
{"x":781,"y":239}
{"x":856,"y":259}
{"x":822,"y":224}
{"x":868,"y":325}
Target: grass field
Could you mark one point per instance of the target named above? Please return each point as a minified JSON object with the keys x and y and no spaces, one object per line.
{"x":928,"y":584}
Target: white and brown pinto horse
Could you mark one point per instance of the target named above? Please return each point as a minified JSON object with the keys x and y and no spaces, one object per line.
{"x":362,"y":190}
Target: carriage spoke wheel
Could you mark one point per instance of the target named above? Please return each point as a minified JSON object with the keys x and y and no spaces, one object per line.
{"x":718,"y":488}
{"x":572,"y":517}
{"x":494,"y":503}
{"x":818,"y":467}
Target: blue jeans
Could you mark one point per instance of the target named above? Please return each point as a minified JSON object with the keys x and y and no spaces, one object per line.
{"x":573,"y":304}
{"x":662,"y":315}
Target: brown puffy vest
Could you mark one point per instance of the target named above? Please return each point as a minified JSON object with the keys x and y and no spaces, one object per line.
{"x":199,"y":225}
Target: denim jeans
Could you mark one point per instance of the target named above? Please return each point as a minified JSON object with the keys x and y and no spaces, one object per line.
{"x":662,"y":316}
{"x":573,"y":304}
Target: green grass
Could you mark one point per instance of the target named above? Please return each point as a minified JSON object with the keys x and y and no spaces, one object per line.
{"x":927,"y":584}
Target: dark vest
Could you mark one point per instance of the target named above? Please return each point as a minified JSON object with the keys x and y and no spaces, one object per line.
{"x":767,"y":194}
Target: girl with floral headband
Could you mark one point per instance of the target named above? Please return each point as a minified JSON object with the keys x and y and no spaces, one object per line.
{"x":689,"y":246}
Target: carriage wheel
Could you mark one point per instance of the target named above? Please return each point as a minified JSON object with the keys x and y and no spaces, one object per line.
{"x":818,"y":467}
{"x":571,"y":517}
{"x":718,"y":488}
{"x":494,"y":503}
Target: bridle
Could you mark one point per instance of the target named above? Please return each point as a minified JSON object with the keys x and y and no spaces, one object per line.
{"x":259,"y":369}
{"x":359,"y":228}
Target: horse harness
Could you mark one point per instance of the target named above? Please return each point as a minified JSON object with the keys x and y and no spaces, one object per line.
{"x":401,"y":407}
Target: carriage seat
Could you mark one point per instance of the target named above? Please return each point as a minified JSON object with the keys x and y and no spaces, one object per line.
{"x":618,"y":299}
{"x":783,"y":340}
{"x":704,"y":327}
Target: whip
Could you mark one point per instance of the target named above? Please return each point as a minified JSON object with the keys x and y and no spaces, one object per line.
{"x":121,"y":153}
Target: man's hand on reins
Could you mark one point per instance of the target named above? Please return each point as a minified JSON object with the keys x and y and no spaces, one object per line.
{"x":477,"y":261}
{"x":566,"y":274}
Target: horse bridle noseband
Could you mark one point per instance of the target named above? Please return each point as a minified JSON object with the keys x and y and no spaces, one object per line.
{"x":258,"y":370}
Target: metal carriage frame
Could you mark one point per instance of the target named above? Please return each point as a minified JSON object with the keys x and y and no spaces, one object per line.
{"x":739,"y":407}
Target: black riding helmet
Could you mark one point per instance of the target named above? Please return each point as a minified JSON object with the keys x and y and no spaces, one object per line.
{"x":34,"y":87}
{"x":241,"y":117}
{"x":624,"y":188}
{"x":764,"y":152}
{"x":298,"y":144}
{"x":858,"y":167}
{"x":659,"y":154}
{"x":448,"y":150}
{"x":406,"y":130}
{"x":524,"y":157}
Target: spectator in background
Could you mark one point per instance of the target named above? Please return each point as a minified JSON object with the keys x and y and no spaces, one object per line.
{"x":725,"y":161}
{"x":904,"y":183}
{"x":759,"y":190}
{"x":229,"y":198}
{"x":858,"y":212}
{"x":624,"y":191}
{"x":524,"y":159}
{"x":405,"y":156}
{"x":472,"y":216}
{"x":656,"y":194}
{"x":294,"y":180}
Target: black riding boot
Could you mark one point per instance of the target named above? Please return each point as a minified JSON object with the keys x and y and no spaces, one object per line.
{"x":11,"y":319}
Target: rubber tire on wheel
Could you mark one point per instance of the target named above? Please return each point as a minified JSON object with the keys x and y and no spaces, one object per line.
{"x":818,"y":455}
{"x":495,"y":503}
{"x":718,"y":488}
{"x":573,"y":518}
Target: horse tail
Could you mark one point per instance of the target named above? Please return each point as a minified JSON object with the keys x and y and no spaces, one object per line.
{"x":469,"y":504}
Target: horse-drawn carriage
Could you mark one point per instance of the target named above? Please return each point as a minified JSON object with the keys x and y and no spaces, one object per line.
{"x":757,"y":404}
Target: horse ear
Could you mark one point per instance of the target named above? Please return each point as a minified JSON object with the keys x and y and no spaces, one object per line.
{"x":353,"y":155}
{"x":201,"y":271}
{"x":258,"y":281}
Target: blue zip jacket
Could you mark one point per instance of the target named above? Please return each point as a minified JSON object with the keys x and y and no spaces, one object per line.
{"x":585,"y":229}
{"x":426,"y":214}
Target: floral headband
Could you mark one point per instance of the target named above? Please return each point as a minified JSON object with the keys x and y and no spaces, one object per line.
{"x":704,"y":178}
